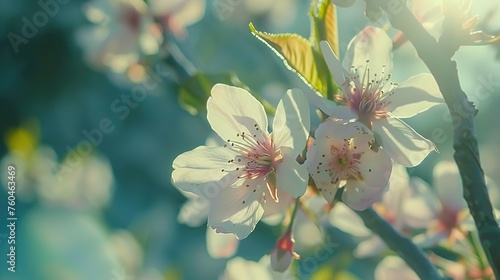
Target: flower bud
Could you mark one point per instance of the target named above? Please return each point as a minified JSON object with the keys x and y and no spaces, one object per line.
{"x":281,"y":256}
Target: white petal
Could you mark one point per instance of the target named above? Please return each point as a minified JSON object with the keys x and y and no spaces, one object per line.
{"x":329,"y":107}
{"x":280,"y":264}
{"x":274,"y":211}
{"x":423,"y":208}
{"x":393,"y":267}
{"x":427,"y":240}
{"x":318,"y":157}
{"x":194,"y":212}
{"x":203,"y":167}
{"x":416,"y":95}
{"x":448,"y":185}
{"x":220,"y":245}
{"x":333,"y":63}
{"x":343,"y":218}
{"x":232,"y":110}
{"x":292,"y":121}
{"x":404,"y":145}
{"x":341,"y":130}
{"x":369,"y":248}
{"x":292,"y":177}
{"x":375,"y":170}
{"x":241,"y":269}
{"x":399,"y":189}
{"x":237,"y":210}
{"x":371,"y":44}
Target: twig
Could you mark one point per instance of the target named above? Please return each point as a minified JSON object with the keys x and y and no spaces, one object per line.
{"x":403,"y":246}
{"x":444,"y":69}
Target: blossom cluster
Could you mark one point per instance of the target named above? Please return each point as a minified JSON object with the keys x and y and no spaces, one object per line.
{"x":259,"y":174}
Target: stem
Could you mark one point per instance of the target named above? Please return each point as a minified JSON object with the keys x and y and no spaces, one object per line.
{"x":402,"y":245}
{"x":438,"y":59}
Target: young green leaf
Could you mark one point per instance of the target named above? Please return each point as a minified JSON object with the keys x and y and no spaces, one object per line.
{"x":304,"y":56}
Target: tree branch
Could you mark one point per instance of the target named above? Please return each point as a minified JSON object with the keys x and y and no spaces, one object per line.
{"x":402,"y":245}
{"x":438,"y":60}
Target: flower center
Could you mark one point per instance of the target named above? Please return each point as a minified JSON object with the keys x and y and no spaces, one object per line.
{"x":365,"y":95}
{"x":256,"y":154}
{"x":344,"y":164}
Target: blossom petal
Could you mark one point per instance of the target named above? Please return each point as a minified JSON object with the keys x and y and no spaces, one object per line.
{"x":292,"y":176}
{"x":333,"y":63}
{"x":449,"y":185}
{"x":371,"y":44}
{"x":415,"y":95}
{"x":318,"y":157}
{"x":392,"y":267}
{"x":369,"y":248}
{"x":404,"y":145}
{"x":232,"y":110}
{"x":375,"y":169}
{"x":341,"y":130}
{"x":240,"y":269}
{"x":220,"y":245}
{"x":194,"y":211}
{"x":203,"y":167}
{"x":292,"y":121}
{"x":423,"y":208}
{"x":237,"y":210}
{"x":329,"y":107}
{"x":274,"y":211}
{"x":343,"y":218}
{"x":399,"y":189}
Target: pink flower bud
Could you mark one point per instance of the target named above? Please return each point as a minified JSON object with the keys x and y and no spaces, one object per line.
{"x":281,"y":256}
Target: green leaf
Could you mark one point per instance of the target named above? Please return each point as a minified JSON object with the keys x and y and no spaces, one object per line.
{"x":195,"y":91}
{"x":303,"y":56}
{"x":299,"y":56}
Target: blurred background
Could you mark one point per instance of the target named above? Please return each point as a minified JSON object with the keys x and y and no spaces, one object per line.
{"x":93,"y":144}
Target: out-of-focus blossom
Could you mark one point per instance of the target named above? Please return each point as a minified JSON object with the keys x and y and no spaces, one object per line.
{"x":176,"y":15}
{"x":392,"y":267}
{"x":194,"y":213}
{"x":241,"y":269}
{"x":341,"y":157}
{"x":253,"y":164}
{"x":444,"y":212}
{"x":470,"y":264}
{"x":124,"y":33}
{"x":364,"y":79}
{"x":84,"y":182}
{"x":431,"y":15}
{"x":390,"y":208}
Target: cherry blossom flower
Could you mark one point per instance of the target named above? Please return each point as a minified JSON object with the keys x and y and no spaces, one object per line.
{"x":123,"y":33}
{"x":364,"y":79}
{"x":444,"y":212}
{"x":176,"y":15}
{"x":253,"y":165}
{"x":341,"y":157}
{"x":390,"y":208}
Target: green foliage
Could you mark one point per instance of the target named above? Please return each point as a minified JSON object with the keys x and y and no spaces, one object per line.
{"x":303,"y":56}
